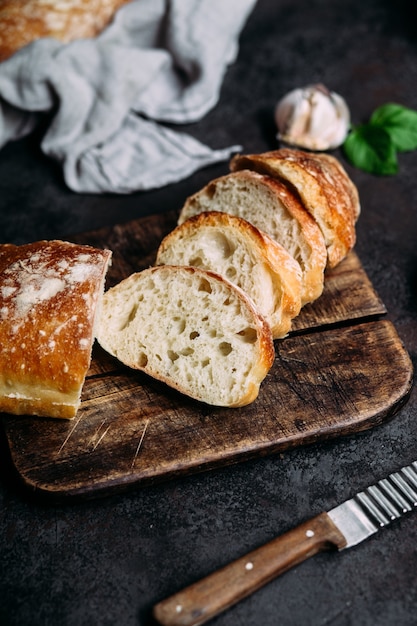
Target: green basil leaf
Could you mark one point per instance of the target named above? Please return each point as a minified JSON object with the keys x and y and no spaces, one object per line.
{"x":401,"y":124}
{"x":370,"y":148}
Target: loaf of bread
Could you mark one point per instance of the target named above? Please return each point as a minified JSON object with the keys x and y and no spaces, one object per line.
{"x":270,"y":206}
{"x":50,"y":293}
{"x":249,"y":251}
{"x":24,"y":21}
{"x":191,"y":329}
{"x":322,"y":184}
{"x":237,"y":250}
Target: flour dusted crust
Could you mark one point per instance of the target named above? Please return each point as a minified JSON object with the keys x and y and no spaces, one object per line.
{"x":323,"y":186}
{"x":191,"y":329}
{"x":274,"y":209}
{"x":23,"y":21}
{"x":49,"y":294}
{"x":237,"y":250}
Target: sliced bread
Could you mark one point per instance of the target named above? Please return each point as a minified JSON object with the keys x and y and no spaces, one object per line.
{"x":323,"y":187}
{"x":272,"y":208}
{"x":191,"y":329}
{"x":234,"y":248}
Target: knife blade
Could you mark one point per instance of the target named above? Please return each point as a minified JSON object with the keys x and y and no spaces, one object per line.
{"x":344,"y":526}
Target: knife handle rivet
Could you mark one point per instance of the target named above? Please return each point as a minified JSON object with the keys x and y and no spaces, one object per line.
{"x":309,"y":533}
{"x":178,"y":608}
{"x":249,"y":565}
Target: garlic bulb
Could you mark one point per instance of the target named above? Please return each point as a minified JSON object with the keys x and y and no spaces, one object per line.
{"x":312,"y":117}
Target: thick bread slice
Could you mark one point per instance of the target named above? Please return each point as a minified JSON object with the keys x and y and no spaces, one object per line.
{"x":323,"y":187}
{"x":234,"y":248}
{"x":270,"y":206}
{"x":49,"y":295}
{"x":23,"y":21}
{"x":191,"y":329}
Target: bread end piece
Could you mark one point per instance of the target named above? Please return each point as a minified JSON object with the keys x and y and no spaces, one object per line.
{"x":50,"y":293}
{"x":190,"y":329}
{"x":323,"y":187}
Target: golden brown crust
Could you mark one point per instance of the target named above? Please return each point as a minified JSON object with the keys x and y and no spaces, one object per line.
{"x":49,"y":291}
{"x":342,"y":179}
{"x":320,"y":185}
{"x":24,"y":21}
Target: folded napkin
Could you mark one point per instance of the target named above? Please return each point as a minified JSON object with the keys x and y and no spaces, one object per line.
{"x":108,"y":100}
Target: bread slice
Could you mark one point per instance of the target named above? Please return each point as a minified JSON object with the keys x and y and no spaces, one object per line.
{"x":24,"y":21}
{"x":49,"y":296}
{"x":234,"y":248}
{"x":191,"y":329}
{"x":323,"y":187}
{"x":270,"y":206}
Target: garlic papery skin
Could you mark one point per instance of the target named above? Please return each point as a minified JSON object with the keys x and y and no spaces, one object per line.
{"x":312,"y":117}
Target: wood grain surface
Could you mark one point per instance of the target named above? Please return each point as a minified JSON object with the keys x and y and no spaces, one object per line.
{"x":343,"y":369}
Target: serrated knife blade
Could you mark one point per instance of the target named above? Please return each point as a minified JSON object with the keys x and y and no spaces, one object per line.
{"x":344,"y":526}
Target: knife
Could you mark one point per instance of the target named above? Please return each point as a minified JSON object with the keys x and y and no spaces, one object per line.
{"x":345,"y":526}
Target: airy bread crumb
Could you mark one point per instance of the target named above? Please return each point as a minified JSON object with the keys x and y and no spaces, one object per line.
{"x":191,"y":329}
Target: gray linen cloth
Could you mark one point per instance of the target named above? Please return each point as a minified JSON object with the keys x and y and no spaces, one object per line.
{"x":109,"y":99}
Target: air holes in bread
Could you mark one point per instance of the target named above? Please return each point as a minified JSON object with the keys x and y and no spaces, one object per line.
{"x":142,"y":359}
{"x":173,"y":356}
{"x":225,"y":348}
{"x":204,"y":285}
{"x":187,"y":351}
{"x":196,"y":261}
{"x":130,"y":317}
{"x":211,"y":190}
{"x":248,"y":335}
{"x":179,"y":324}
{"x":222,"y":244}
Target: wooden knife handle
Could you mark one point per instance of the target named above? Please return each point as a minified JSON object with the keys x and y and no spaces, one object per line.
{"x":210,"y":596}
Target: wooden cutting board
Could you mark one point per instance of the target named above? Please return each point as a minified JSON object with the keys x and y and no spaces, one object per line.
{"x":342,"y":370}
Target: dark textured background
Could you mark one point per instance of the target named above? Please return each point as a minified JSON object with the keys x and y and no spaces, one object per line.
{"x":107,"y":562}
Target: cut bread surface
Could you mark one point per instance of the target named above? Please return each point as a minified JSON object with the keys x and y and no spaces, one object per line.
{"x":49,"y":297}
{"x":191,"y":329}
{"x":274,"y":209}
{"x":237,"y":250}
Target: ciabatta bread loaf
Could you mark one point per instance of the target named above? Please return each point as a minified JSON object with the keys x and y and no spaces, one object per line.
{"x":270,"y":206}
{"x":50,"y":292}
{"x":191,"y":329}
{"x":24,"y":21}
{"x":323,"y":186}
{"x":234,"y":248}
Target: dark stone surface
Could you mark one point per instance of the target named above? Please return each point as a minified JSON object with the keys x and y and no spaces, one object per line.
{"x":108,"y":561}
